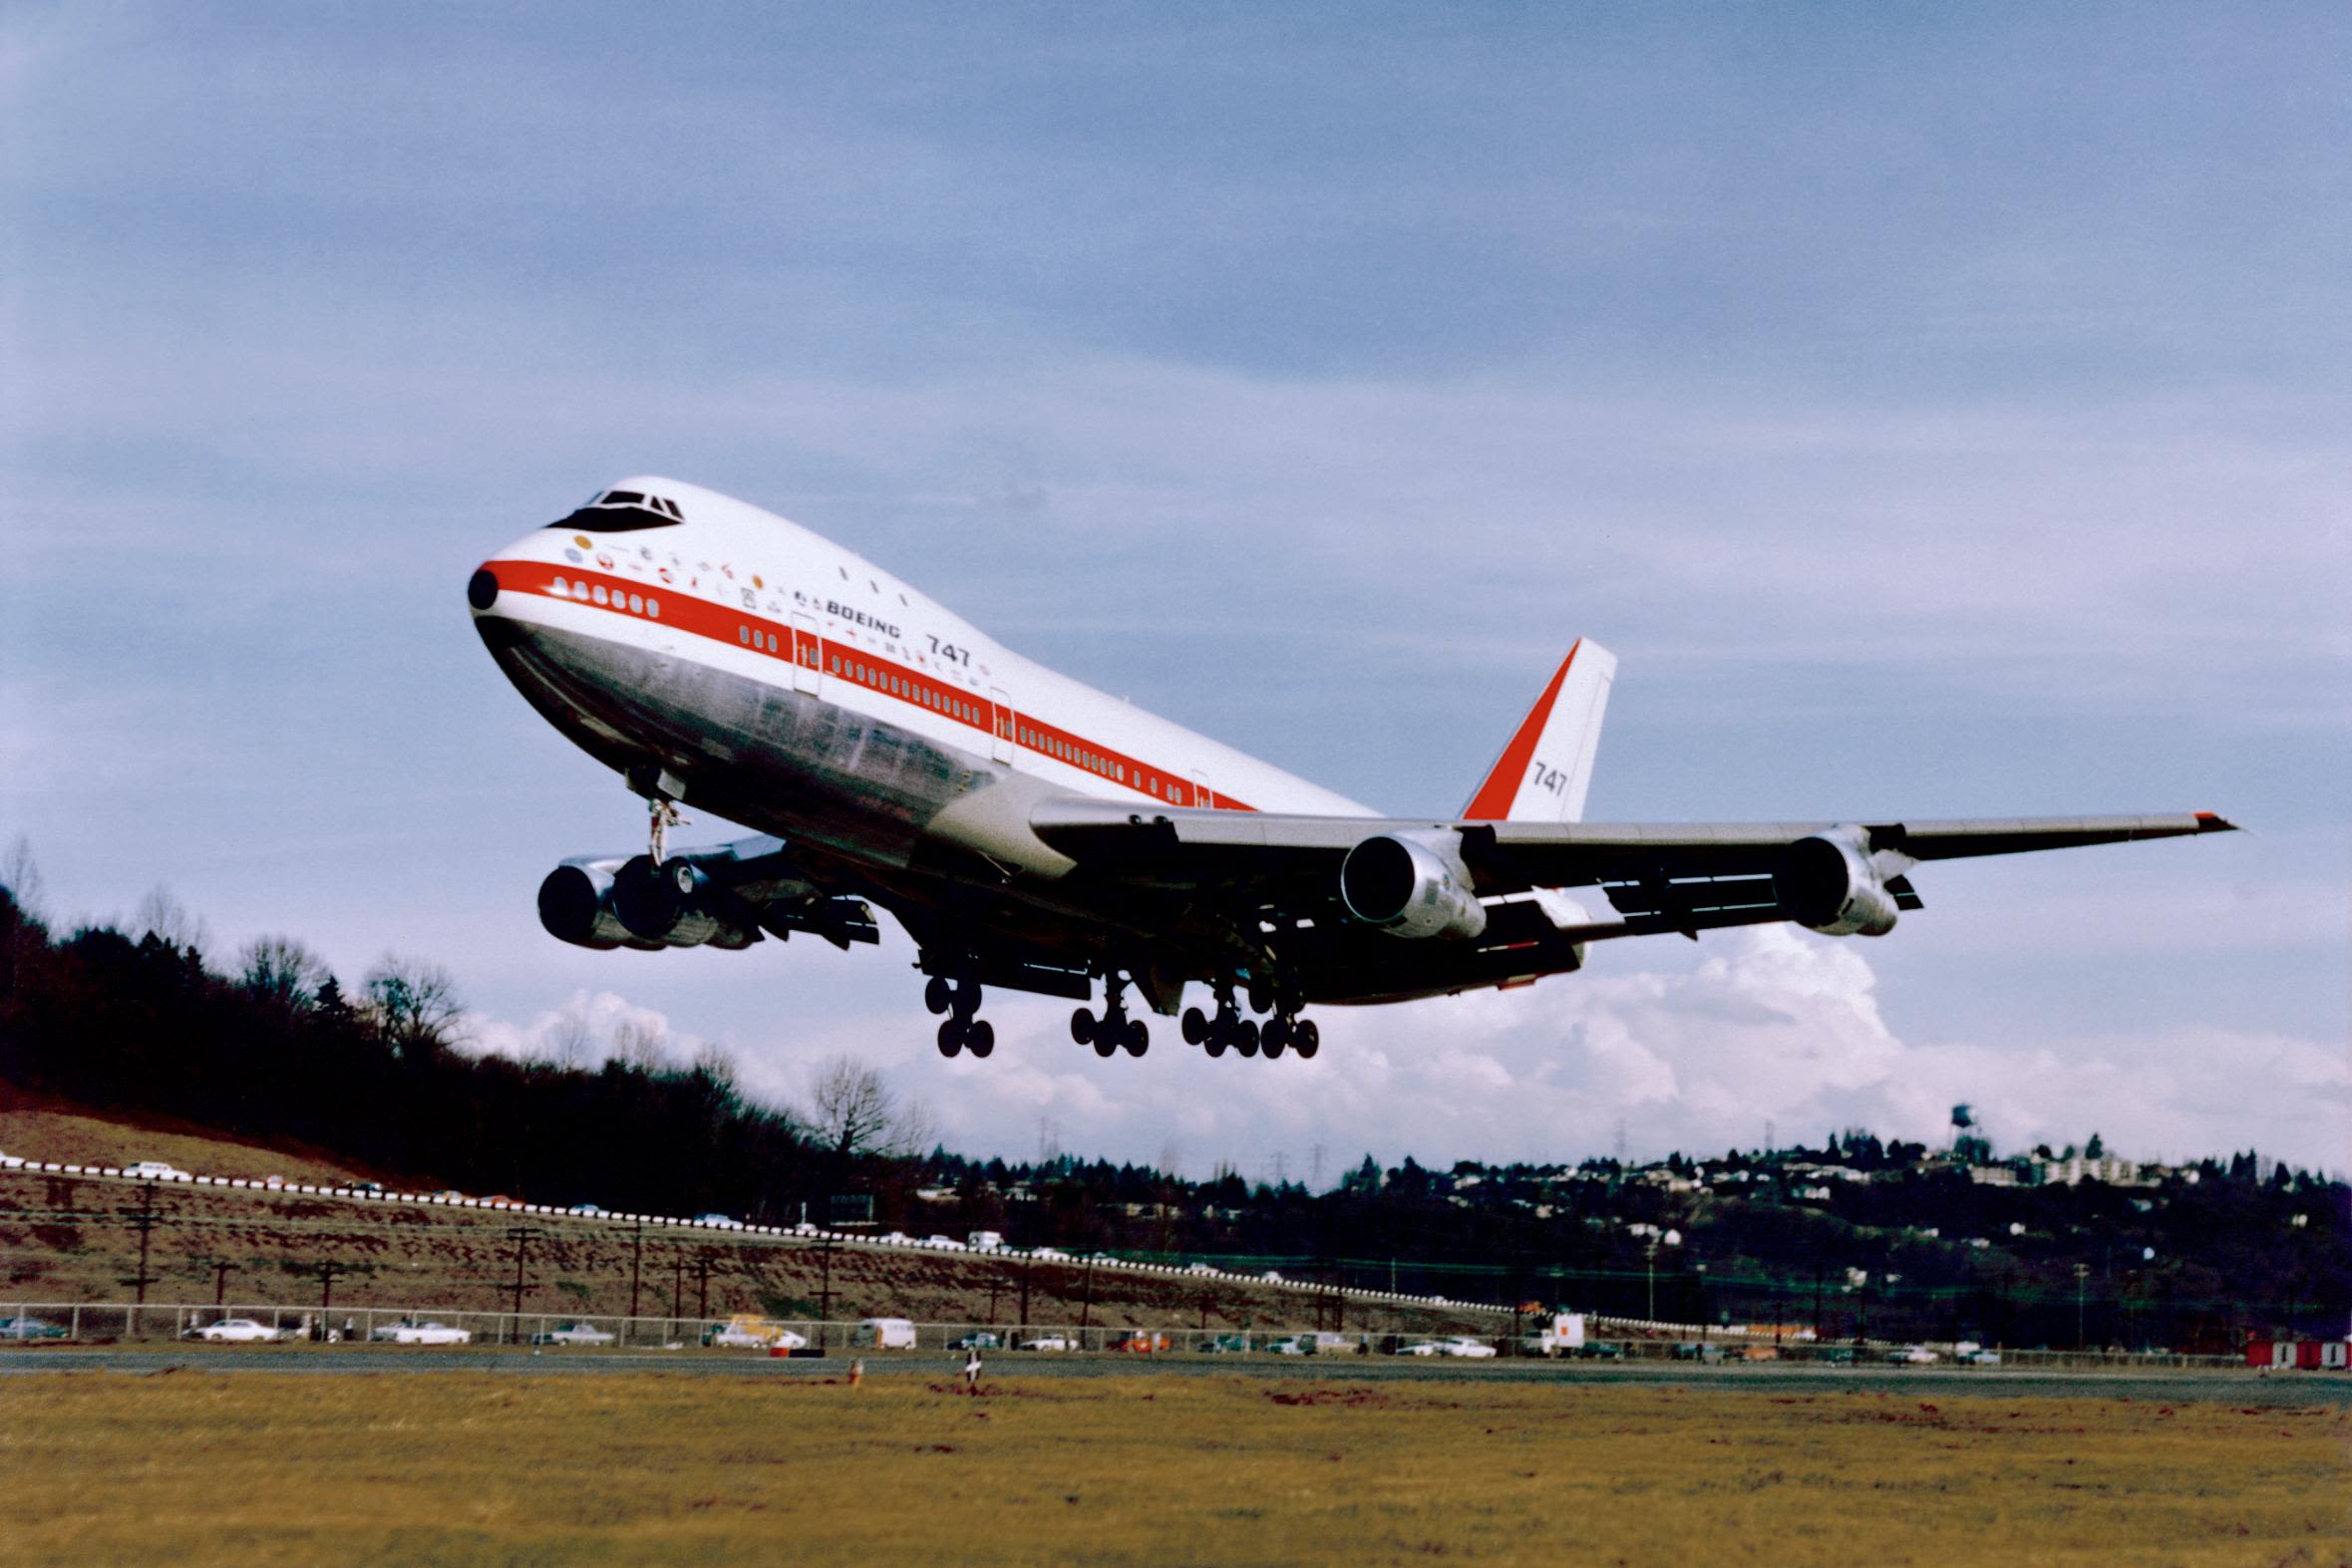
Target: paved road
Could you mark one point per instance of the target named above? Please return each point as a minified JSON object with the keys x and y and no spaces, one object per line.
{"x":2231,"y":1386}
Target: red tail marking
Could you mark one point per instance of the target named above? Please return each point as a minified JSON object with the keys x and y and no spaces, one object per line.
{"x":1491,"y":804}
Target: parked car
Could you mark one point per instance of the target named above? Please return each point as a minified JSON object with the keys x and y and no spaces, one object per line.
{"x":449,"y":1195}
{"x":155,"y":1170}
{"x":367,"y":1186}
{"x":1294,"y":1345}
{"x":1047,"y":1341}
{"x":1198,"y":1268}
{"x":239,"y":1331}
{"x":1048,"y":1252}
{"x":1912,"y":1355}
{"x":1601,"y":1350}
{"x":1467,"y":1348}
{"x":723,"y":1221}
{"x":1272,"y":1276}
{"x":1979,"y":1357}
{"x":1834,"y":1355}
{"x":984,"y":1240}
{"x":591,"y":1210}
{"x":30,"y":1329}
{"x":412,"y":1330}
{"x":745,"y":1331}
{"x":573,"y":1334}
{"x":1226,"y":1344}
{"x":1138,"y":1342}
{"x":1694,"y":1350}
{"x":946,"y":1243}
{"x":1422,"y":1348}
{"x":984,"y":1340}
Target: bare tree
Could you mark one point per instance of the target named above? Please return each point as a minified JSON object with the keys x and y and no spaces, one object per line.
{"x":566,"y":1043}
{"x":853,"y":1112}
{"x":415,"y":1005}
{"x":638,"y":1044}
{"x":717,"y":1063}
{"x":22,"y":877}
{"x":280,"y":969}
{"x":167,"y":919}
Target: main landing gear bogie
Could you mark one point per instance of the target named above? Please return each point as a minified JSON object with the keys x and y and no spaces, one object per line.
{"x":1226,"y":1030}
{"x":1112,"y":1031}
{"x":962,"y":1030}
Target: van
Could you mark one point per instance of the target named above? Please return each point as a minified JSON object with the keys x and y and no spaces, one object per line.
{"x":883,"y":1333}
{"x":985,"y":1240}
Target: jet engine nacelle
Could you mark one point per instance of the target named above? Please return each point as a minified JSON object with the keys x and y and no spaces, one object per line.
{"x":1409,"y":889}
{"x":640,"y":905}
{"x":1826,"y":882}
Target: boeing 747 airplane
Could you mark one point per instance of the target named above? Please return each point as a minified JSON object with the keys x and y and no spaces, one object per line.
{"x":1033,"y":834}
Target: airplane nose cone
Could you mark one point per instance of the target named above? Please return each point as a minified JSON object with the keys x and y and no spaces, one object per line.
{"x":481,"y":589}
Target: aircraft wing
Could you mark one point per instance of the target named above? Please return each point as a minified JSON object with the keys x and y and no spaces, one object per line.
{"x":1658,"y":877}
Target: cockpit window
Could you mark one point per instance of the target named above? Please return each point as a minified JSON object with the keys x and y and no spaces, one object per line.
{"x":622,"y":511}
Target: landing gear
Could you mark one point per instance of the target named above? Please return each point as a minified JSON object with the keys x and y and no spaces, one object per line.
{"x":1114,"y":1031}
{"x":963,"y":1030}
{"x":1228,"y":1030}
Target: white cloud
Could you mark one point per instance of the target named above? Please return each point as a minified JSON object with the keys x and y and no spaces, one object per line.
{"x":585,"y":1031}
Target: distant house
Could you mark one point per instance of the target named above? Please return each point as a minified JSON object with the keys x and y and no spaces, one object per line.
{"x":2078,"y":1168}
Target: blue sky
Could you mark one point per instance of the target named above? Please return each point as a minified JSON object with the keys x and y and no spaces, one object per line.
{"x":1940,"y":412}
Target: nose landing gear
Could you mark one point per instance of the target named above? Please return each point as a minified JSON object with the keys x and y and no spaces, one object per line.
{"x":1114,"y":1030}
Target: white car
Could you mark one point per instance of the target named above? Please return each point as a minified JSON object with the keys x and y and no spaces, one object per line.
{"x":239,"y":1331}
{"x":1047,"y":1341}
{"x":1422,"y":1348}
{"x":573,"y":1334}
{"x":1296,"y":1344}
{"x":155,"y":1170}
{"x":1048,"y":1252}
{"x":1474,"y":1350}
{"x":1912,"y":1355}
{"x":409,"y":1330}
{"x":591,"y":1210}
{"x":944,"y":1243}
{"x":723,"y":1221}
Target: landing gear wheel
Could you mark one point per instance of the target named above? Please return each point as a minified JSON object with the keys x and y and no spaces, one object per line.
{"x":1214,"y":1042}
{"x":1309,"y":1039}
{"x":1106,"y":1041}
{"x":951,"y":1037}
{"x":1195,"y":1026}
{"x":1261,"y":997}
{"x":1245,"y":1037}
{"x":1081,"y":1026}
{"x":1274,"y":1035}
{"x":1139,"y":1037}
{"x":1271,"y":1044}
{"x":938,"y":996}
{"x":980,"y":1037}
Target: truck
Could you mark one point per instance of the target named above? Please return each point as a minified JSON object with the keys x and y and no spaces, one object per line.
{"x":883,"y":1333}
{"x":1563,"y":1335}
{"x":985,"y":1240}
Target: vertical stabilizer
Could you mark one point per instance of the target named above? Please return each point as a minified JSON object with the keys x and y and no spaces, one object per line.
{"x":1544,"y":771}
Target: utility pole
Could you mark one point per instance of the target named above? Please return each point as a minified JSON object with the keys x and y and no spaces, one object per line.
{"x":703,"y":1265}
{"x":824,"y":1288}
{"x":1086,"y":1306}
{"x":1024,"y":1322}
{"x":521,"y":1236}
{"x":1650,"y":1253}
{"x":995,"y":1284}
{"x":144,"y":1221}
{"x":221,"y":1273}
{"x":327,"y":1271}
{"x":2082,"y":1287}
{"x":677,"y":1287}
{"x":636,"y":1263}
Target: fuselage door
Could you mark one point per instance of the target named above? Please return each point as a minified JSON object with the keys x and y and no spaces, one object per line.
{"x":1000,"y":745}
{"x":1203,"y":795}
{"x":807,"y":653}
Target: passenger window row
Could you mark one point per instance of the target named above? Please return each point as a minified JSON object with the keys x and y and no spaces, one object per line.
{"x":596,"y":593}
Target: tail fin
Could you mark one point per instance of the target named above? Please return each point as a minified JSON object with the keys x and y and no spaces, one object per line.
{"x":1545,"y":769}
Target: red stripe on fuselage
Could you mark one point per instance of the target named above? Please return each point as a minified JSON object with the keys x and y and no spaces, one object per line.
{"x":665,"y":604}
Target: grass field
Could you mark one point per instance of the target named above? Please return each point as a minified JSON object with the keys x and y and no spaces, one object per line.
{"x":461,"y":1467}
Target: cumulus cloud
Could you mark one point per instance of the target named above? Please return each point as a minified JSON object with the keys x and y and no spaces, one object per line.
{"x":1771,"y":1024}
{"x":589,"y":1029}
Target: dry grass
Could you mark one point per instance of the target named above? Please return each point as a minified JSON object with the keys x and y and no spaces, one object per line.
{"x":489,"y":1467}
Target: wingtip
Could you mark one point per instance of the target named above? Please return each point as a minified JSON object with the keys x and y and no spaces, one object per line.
{"x":2214,"y":822}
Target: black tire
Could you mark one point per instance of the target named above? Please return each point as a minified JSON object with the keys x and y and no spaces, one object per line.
{"x":1308,"y":1041}
{"x":1139,"y":1037}
{"x":1106,"y":1041}
{"x":936,"y":995}
{"x":951,"y":1037}
{"x":1261,"y":997}
{"x":1081,"y":1026}
{"x":1270,"y":1043}
{"x":1195,"y":1026}
{"x":980,"y":1037}
{"x":1214,"y":1043}
{"x":1245,"y":1037}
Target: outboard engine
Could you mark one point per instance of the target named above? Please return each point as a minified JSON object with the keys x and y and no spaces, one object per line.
{"x":1409,"y":888}
{"x":1828,"y":883}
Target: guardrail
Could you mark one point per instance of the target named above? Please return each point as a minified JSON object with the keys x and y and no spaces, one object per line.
{"x":119,"y":1321}
{"x":742,"y":1231}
